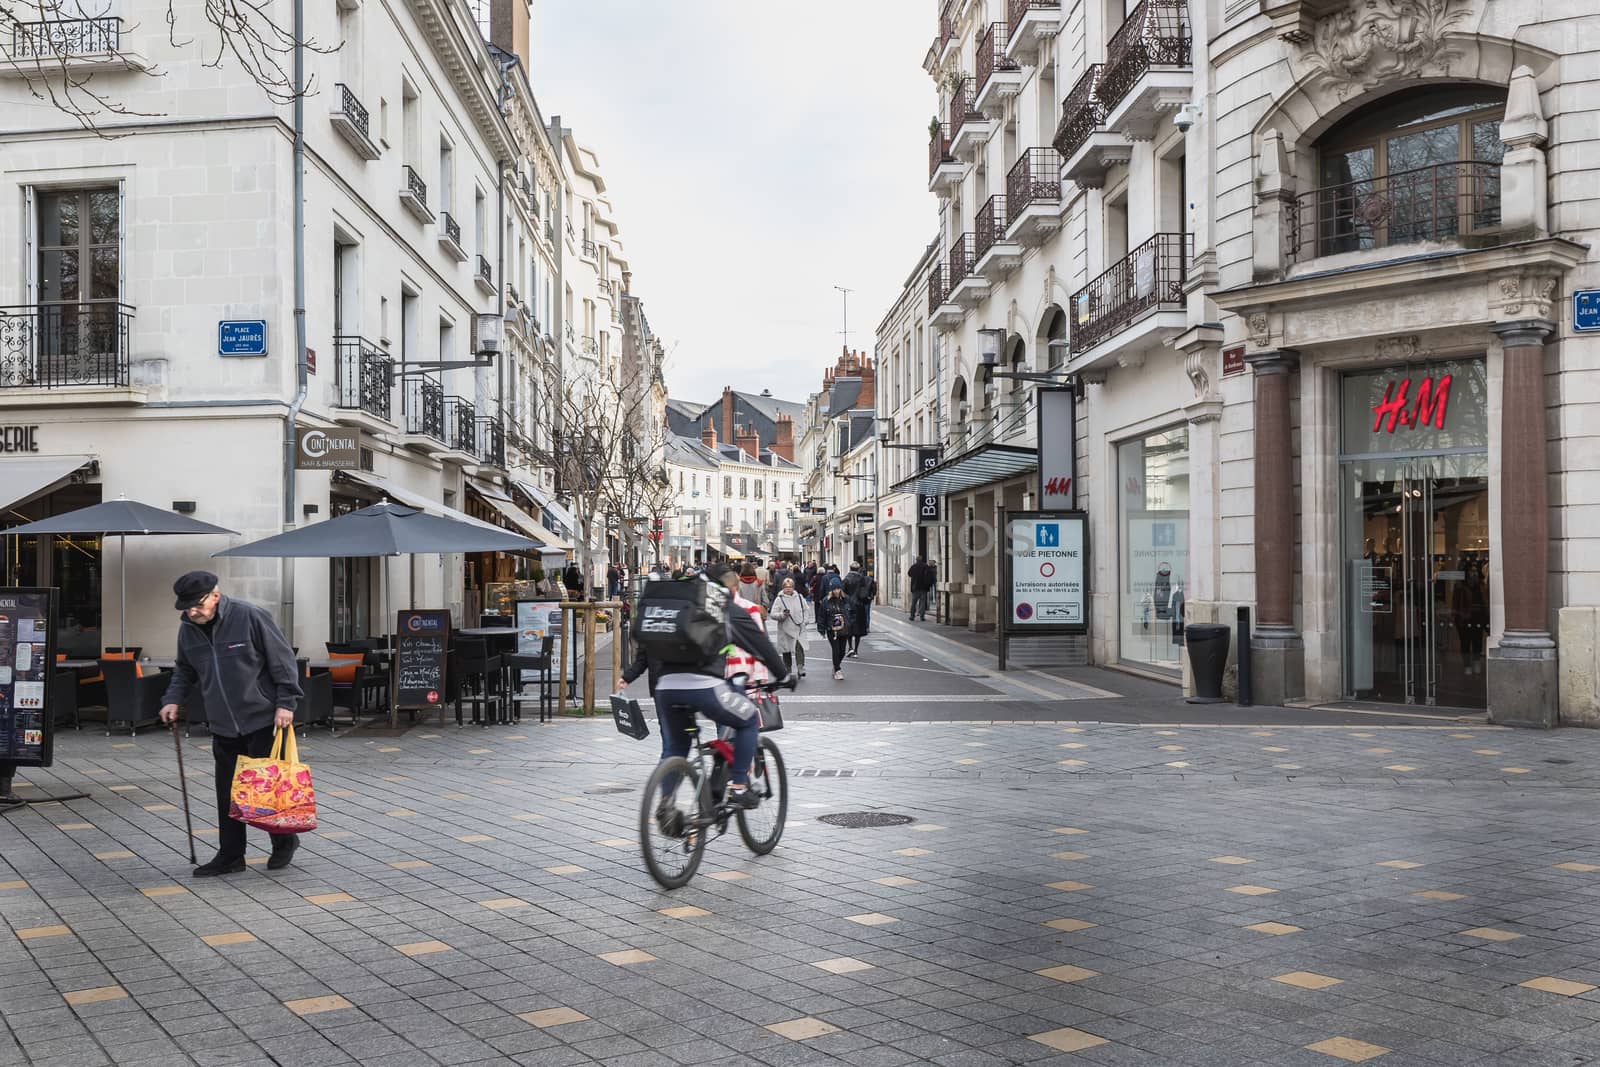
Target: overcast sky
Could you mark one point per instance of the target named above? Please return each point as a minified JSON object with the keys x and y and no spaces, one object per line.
{"x":757,"y":155}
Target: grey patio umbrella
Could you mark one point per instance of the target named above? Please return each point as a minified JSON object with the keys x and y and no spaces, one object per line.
{"x":385,"y":529}
{"x":122,"y":517}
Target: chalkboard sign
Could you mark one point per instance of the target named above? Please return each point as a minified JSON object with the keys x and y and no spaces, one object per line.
{"x":423,"y":642}
{"x":27,"y":663}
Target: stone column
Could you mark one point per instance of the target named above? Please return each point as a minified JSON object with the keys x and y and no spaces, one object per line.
{"x":1277,"y":654}
{"x":1522,"y":668}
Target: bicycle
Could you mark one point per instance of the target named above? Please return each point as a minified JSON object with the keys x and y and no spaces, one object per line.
{"x":685,"y":802}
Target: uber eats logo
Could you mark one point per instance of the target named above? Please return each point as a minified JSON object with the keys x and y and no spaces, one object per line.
{"x":658,"y":620}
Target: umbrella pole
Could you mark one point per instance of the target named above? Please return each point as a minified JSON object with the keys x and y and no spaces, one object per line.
{"x":394,"y":712}
{"x":122,"y":560}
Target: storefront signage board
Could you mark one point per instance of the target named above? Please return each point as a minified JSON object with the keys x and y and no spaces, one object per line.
{"x":421,"y":654}
{"x":1420,"y":407}
{"x":19,"y":438}
{"x":1057,"y":439}
{"x":928,"y":503}
{"x":1586,"y":310}
{"x":1045,"y":579}
{"x":27,"y":662}
{"x":326,"y":450}
{"x":242,"y":337}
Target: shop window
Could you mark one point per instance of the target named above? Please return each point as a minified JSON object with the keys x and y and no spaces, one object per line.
{"x":1153,"y":517}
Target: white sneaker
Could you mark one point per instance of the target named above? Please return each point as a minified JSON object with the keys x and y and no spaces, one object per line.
{"x":838,"y":676}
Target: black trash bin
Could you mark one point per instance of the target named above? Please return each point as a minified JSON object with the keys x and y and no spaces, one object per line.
{"x":1208,"y":658}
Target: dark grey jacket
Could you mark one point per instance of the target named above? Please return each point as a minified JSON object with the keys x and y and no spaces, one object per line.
{"x":241,"y":673}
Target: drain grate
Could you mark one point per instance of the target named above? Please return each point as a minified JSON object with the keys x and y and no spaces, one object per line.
{"x":862,"y":820}
{"x":606,"y":790}
{"x":816,"y":772}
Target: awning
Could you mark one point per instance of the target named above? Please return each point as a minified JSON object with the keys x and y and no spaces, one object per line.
{"x":520,"y":520}
{"x":979,"y":466}
{"x":731,"y":552}
{"x":549,"y":506}
{"x":408,"y":497}
{"x":24,"y":477}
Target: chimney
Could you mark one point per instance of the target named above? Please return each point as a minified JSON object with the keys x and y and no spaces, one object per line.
{"x":727,"y":413}
{"x":508,"y":30}
{"x":783,"y":439}
{"x":868,"y":385}
{"x":749,"y":440}
{"x":708,"y":437}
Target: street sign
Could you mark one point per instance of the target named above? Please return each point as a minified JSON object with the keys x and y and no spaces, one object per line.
{"x":242,"y":337}
{"x":1586,"y":310}
{"x":1232,"y":360}
{"x":326,"y":450}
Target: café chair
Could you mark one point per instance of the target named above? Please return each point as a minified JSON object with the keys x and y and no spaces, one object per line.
{"x":132,"y":697}
{"x":316,"y":706}
{"x":481,"y":682}
{"x":64,"y":698}
{"x":542,"y":663}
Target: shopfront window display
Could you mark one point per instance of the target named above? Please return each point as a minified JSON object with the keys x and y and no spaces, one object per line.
{"x":1153,"y":517}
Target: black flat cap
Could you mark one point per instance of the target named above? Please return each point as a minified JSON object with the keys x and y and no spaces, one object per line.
{"x":192,"y":588}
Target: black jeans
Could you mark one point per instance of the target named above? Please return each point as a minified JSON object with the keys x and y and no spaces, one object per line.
{"x":841,"y":645}
{"x":226,"y":752}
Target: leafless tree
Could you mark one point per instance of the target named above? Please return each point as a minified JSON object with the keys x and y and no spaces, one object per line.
{"x":66,"y":51}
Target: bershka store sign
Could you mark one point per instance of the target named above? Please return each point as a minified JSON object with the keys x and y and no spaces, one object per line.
{"x":326,"y":450}
{"x":1416,"y":408}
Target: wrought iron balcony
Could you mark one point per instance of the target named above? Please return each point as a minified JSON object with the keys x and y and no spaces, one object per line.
{"x":570,"y":235}
{"x":939,"y":149}
{"x":1439,"y":203}
{"x":414,"y":194}
{"x":1147,"y":67}
{"x":485,"y":275}
{"x":1148,"y":277}
{"x":969,"y":127}
{"x":361,"y":376}
{"x":550,"y":230}
{"x":460,"y":425}
{"x":450,"y":237}
{"x":998,"y":75}
{"x":990,"y":225}
{"x":424,"y":400}
{"x":491,"y":441}
{"x":1031,"y":18}
{"x":51,"y":346}
{"x":1082,"y":113}
{"x":590,"y":347}
{"x":350,"y":121}
{"x":946,"y":37}
{"x":936,"y":289}
{"x":571,"y":334}
{"x":54,"y":39}
{"x":513,"y":298}
{"x":1034,"y":178}
{"x":590,"y":251}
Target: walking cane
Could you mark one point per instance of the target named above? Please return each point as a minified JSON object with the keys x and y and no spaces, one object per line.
{"x":183,"y":784}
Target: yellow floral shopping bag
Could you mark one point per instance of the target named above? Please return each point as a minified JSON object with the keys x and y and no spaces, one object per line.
{"x":275,"y":793}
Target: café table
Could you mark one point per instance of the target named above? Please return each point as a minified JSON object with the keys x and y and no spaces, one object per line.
{"x":501,"y":641}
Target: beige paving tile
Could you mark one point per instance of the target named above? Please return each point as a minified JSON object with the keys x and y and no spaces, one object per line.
{"x":34,"y":933}
{"x":422,"y":948}
{"x":317,"y":1005}
{"x":1400,"y":865}
{"x":336,"y":793}
{"x":1274,"y":928}
{"x":1179,"y":763}
{"x":1069,"y":855}
{"x":256,"y":861}
{"x":566,"y":868}
{"x":1273,"y":748}
{"x":927,"y":828}
{"x":1232,"y":860}
{"x":627,"y":957}
{"x":1068,"y":886}
{"x":843,"y":965}
{"x":1583,"y":868}
{"x":474,"y":839}
{"x":1251,"y":890}
{"x":479,"y":751}
{"x":400,"y":813}
{"x":1307,"y":980}
{"x":237,"y":937}
{"x":1559,"y":986}
{"x":455,"y":796}
{"x":967,"y":762}
{"x":548,"y":1017}
{"x":503,"y":903}
{"x":1379,"y":751}
{"x":98,"y":995}
{"x":331,"y":835}
{"x":872,"y":918}
{"x":1487,"y":752}
{"x":410,"y":865}
{"x":617,"y":842}
{"x":396,"y":778}
{"x":1439,"y":894}
{"x":123,"y":788}
{"x":330,"y":898}
{"x":1401,"y":767}
{"x":913,"y":852}
{"x":1070,"y":926}
{"x":1067,"y":973}
{"x":164,"y":891}
{"x":528,"y":816}
{"x":118,"y":855}
{"x":727,"y":876}
{"x":1515,"y":770}
{"x":803,"y":1029}
{"x":1067,"y":1039}
{"x":1348,"y":1049}
{"x":90,"y":826}
{"x":895,"y":881}
{"x":1489,"y":933}
{"x":1263,"y":733}
{"x":688,"y":911}
{"x":1171,"y":748}
{"x":389,"y":748}
{"x":1074,"y":744}
{"x":18,"y":884}
{"x":1068,"y":830}
{"x":1463,"y":737}
{"x":1072,"y":763}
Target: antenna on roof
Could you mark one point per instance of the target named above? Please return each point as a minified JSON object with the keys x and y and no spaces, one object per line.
{"x":845,"y":293}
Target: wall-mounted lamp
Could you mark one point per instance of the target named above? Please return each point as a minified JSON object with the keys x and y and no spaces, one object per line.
{"x":989,"y":347}
{"x":183,"y":507}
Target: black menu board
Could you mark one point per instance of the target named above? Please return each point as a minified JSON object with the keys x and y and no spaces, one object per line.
{"x":27,"y":662}
{"x":423,"y":640}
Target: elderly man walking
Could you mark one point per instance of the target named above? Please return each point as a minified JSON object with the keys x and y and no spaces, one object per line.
{"x":235,"y":663}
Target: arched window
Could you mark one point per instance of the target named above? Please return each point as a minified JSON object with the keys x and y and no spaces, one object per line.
{"x":1424,"y":166}
{"x":1056,"y":354}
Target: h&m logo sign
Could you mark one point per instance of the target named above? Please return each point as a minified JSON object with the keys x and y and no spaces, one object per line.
{"x":1398,"y":408}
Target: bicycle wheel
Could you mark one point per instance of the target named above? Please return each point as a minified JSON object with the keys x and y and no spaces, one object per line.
{"x":672,"y":843}
{"x":763,"y":825}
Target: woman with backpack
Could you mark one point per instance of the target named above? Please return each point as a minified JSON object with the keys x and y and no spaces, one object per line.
{"x":838,"y":619}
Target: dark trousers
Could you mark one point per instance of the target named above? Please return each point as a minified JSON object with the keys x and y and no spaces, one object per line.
{"x":723,"y":705}
{"x":841,"y":645}
{"x":226,"y":751}
{"x":919,"y":603}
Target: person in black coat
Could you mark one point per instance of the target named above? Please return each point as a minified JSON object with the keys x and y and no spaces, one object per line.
{"x":838,"y":621}
{"x":572,"y":579}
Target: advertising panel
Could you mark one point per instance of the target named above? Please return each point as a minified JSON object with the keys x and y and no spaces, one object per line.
{"x":1047,"y":585}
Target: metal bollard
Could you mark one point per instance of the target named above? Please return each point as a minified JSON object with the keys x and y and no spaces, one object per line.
{"x":1244,"y":657}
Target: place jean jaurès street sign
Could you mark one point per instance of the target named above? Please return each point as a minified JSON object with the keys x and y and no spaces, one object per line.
{"x":242,"y":337}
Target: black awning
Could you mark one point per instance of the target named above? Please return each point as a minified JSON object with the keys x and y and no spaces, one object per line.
{"x":979,"y":466}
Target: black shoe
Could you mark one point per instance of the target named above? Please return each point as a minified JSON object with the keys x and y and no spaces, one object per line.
{"x":219,"y":865}
{"x":669,"y":820}
{"x":746,"y":798}
{"x":283,"y":854}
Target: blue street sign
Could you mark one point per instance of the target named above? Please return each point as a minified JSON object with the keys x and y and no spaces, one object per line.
{"x":242,"y":337}
{"x":1586,"y":310}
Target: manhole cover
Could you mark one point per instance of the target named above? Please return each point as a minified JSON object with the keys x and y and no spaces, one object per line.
{"x":604,"y":790}
{"x":861,"y":820}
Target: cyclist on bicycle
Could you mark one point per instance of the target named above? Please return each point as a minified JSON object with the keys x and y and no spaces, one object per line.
{"x":683,"y":688}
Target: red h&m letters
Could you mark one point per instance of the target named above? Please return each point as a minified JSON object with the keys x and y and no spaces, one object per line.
{"x":1433,"y":395}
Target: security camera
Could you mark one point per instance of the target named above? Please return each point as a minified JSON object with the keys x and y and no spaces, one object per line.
{"x":1185,"y":117}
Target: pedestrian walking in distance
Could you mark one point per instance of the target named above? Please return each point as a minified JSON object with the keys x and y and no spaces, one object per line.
{"x":923,"y":576}
{"x":838,"y":620}
{"x":234,"y":662}
{"x":789,"y":612}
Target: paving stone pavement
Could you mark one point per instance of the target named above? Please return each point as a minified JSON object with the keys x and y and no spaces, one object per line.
{"x":1067,"y":893}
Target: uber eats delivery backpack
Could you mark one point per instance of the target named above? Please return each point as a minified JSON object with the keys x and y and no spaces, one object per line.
{"x":682,"y":622}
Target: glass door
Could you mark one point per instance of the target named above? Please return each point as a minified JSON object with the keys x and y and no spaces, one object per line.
{"x":1416,"y":554}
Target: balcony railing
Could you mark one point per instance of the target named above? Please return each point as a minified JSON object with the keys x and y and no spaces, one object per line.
{"x":451,"y":228}
{"x":571,"y":334}
{"x":491,"y":441}
{"x":416,"y":186}
{"x":1082,"y":112}
{"x":589,"y":249}
{"x":963,"y":254}
{"x":1149,"y":276}
{"x":939,"y":148}
{"x":362,"y":376}
{"x":1035,"y":178}
{"x":50,"y":346}
{"x":52,"y":39}
{"x":425,"y":408}
{"x":1156,"y":33}
{"x":550,"y":230}
{"x":991,"y":224}
{"x":1017,"y":10}
{"x":485,"y":272}
{"x":460,"y":425}
{"x":936,"y":289}
{"x":1434,"y":203}
{"x":570,"y":235}
{"x":962,"y":106}
{"x":991,"y":53}
{"x":351,"y":108}
{"x":590,"y":347}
